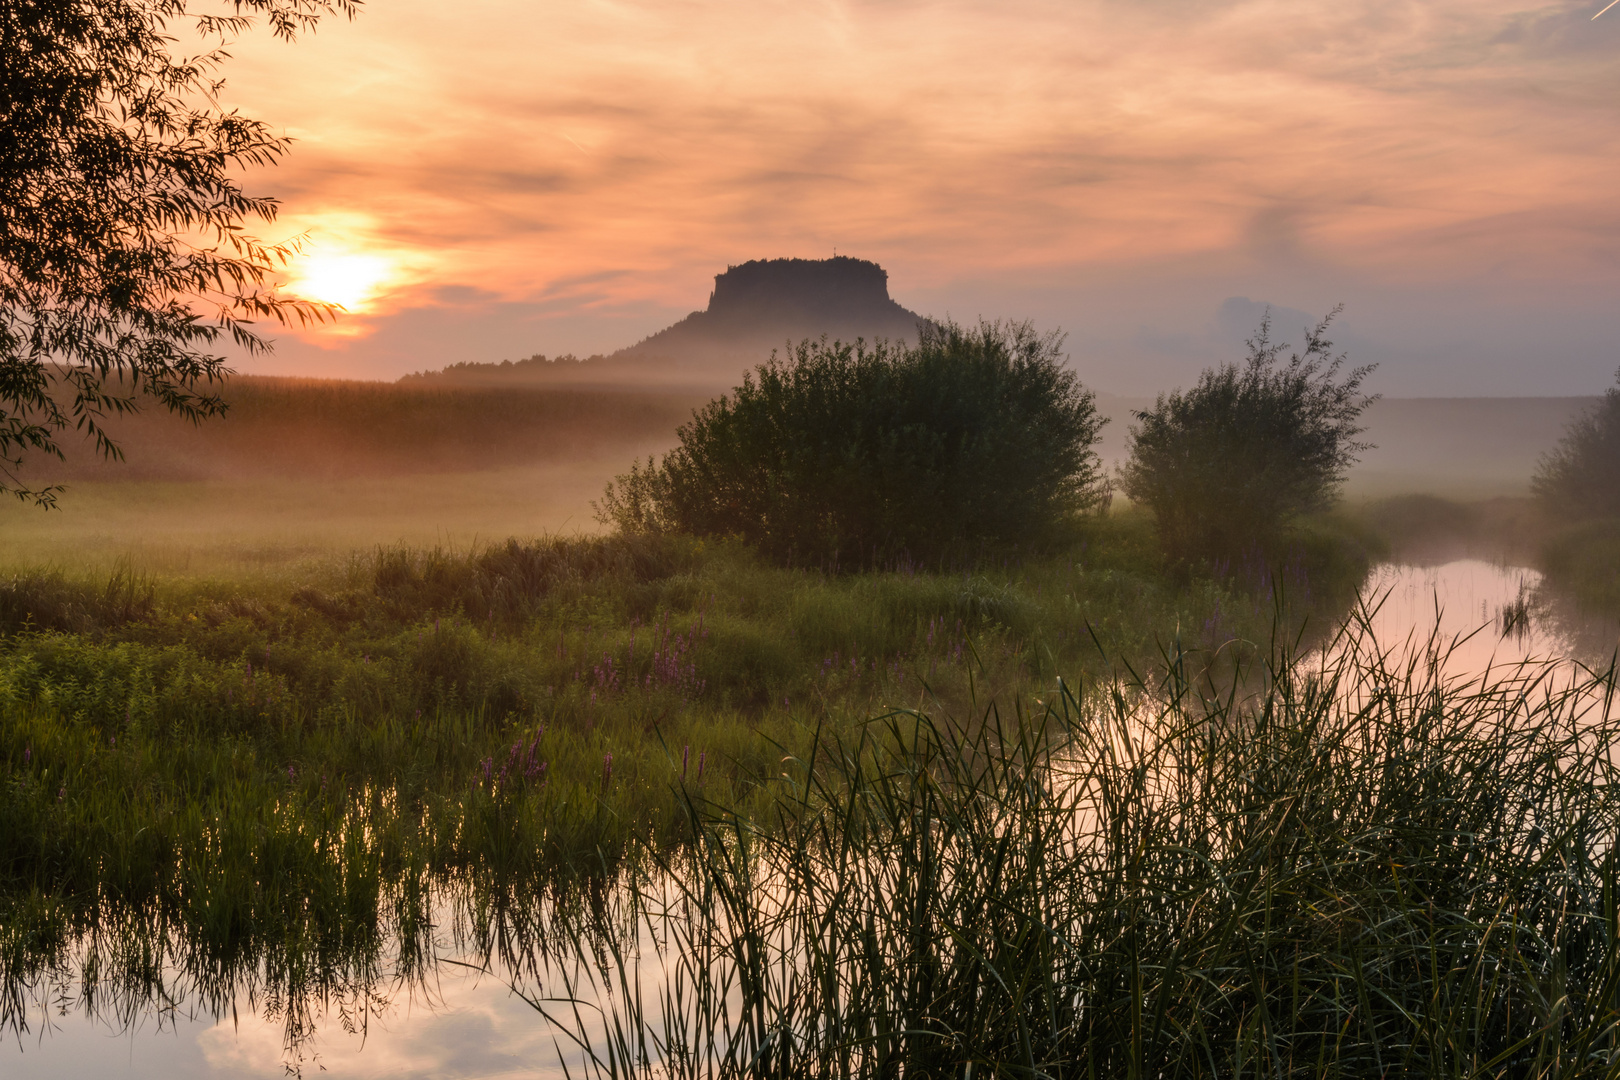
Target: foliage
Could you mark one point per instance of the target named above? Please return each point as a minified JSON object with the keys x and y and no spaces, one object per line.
{"x":848,"y":455}
{"x":1366,"y":869}
{"x":1227,"y":465}
{"x":1580,"y":478}
{"x":1580,"y":562}
{"x":123,"y":258}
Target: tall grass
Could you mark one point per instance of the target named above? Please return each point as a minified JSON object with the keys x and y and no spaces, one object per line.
{"x":1341,"y":866}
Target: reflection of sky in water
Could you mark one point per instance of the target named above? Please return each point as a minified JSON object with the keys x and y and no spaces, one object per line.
{"x":1467,"y":600}
{"x":475,"y":1027}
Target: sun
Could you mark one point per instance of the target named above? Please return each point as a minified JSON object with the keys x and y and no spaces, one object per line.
{"x":347,"y":279}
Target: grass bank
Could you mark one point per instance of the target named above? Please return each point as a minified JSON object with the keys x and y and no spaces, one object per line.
{"x":270,"y":781}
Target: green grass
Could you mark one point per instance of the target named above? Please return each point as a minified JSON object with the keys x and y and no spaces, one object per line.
{"x":272,"y":779}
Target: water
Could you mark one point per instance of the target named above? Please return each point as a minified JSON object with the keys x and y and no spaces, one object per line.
{"x":465,"y":1023}
{"x":471,"y":1026}
{"x":1487,"y":616}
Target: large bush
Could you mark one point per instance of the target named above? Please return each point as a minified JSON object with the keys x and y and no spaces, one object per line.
{"x":1227,"y":465}
{"x":1580,"y":478}
{"x":973,"y":440}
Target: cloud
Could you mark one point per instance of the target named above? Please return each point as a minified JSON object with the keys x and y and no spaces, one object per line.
{"x":642,"y":146}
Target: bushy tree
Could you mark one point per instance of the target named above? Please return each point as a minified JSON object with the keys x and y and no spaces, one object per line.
{"x":972,"y":440}
{"x":123,"y":253}
{"x":1580,"y":478}
{"x":1226,"y":465}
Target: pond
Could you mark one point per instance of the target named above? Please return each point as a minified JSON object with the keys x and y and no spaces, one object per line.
{"x":455,"y":1021}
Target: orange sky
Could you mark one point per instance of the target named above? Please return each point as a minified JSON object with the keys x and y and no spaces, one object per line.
{"x":493,"y":179}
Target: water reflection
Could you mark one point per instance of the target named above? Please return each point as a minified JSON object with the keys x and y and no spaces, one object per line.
{"x":1484,"y":615}
{"x":439,"y":1001}
{"x":441,"y":1004}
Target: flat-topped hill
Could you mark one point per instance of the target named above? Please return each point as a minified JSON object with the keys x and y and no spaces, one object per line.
{"x":763,"y":303}
{"x":759,"y":306}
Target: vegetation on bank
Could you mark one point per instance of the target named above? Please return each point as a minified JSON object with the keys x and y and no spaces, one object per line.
{"x":1229,"y":465}
{"x":1577,"y":487}
{"x":273,"y":771}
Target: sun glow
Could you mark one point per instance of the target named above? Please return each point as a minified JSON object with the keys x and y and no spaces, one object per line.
{"x":349,"y":280}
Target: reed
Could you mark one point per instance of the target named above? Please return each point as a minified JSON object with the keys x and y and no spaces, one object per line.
{"x":1348,"y":864}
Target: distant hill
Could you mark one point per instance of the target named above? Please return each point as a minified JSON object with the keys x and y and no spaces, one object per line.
{"x":755,"y":308}
{"x":761,"y":304}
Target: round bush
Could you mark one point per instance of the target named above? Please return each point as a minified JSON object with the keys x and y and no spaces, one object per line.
{"x":1226,"y":465}
{"x":972,"y":441}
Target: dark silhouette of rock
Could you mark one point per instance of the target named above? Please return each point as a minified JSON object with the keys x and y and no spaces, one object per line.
{"x":759,"y":306}
{"x":765,"y":303}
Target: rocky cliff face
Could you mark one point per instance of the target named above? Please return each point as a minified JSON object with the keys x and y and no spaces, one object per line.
{"x":765,"y":303}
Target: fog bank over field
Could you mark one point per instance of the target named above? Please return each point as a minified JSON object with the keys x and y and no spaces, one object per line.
{"x":302,"y":468}
{"x":476,"y":451}
{"x":1459,"y":447}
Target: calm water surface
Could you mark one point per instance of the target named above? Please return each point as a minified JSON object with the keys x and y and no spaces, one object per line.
{"x":464,"y":1024}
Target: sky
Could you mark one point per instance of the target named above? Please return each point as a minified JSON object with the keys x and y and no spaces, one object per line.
{"x":492,"y":179}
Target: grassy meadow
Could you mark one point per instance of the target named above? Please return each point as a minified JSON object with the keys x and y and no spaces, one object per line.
{"x":270,"y":712}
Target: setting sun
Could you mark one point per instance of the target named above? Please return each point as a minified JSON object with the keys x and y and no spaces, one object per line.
{"x":348,"y":280}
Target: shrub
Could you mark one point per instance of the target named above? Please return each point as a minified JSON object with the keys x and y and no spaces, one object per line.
{"x":1227,"y":465}
{"x":974,"y":439}
{"x":1580,"y":478}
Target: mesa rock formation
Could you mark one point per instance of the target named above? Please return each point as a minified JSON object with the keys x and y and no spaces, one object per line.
{"x":761,"y":305}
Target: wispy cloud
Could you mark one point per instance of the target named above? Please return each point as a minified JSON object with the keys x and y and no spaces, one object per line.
{"x":644,"y":145}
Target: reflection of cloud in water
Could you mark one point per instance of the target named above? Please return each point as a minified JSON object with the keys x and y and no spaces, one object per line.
{"x":470,"y":1026}
{"x":473,"y":1027}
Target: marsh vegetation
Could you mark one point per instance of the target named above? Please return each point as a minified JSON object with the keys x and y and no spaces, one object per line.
{"x":1071,"y":800}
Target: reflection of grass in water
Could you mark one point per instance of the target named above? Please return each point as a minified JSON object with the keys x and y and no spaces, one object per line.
{"x":1583,"y":562}
{"x":1365,"y":870}
{"x":274,"y":774}
{"x":1514,"y":618}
